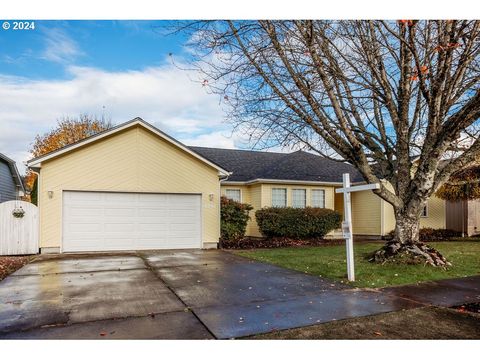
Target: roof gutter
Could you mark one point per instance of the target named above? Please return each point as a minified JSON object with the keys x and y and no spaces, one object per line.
{"x":281,"y":181}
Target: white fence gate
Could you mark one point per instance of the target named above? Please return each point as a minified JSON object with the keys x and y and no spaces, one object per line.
{"x":18,"y":228}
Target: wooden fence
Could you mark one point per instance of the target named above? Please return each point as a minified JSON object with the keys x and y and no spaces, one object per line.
{"x":18,"y":228}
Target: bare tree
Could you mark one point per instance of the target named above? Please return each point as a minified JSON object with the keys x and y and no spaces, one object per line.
{"x":393,"y":98}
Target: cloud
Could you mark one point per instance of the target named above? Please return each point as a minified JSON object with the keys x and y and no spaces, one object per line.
{"x":220,"y":139}
{"x":59,"y":47}
{"x":164,"y":96}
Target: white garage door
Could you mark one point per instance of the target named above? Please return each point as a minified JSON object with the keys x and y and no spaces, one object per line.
{"x":99,"y":221}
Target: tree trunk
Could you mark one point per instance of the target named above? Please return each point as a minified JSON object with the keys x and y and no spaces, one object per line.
{"x":405,"y":247}
{"x":407,"y":226}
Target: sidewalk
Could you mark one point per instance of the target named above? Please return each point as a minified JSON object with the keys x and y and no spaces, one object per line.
{"x":444,"y":293}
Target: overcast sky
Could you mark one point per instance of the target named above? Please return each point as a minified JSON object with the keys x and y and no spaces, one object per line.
{"x":119,"y":69}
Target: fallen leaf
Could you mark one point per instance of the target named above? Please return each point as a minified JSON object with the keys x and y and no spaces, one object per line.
{"x":378,"y":333}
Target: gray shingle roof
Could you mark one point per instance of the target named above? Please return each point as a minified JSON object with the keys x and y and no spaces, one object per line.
{"x":300,"y":166}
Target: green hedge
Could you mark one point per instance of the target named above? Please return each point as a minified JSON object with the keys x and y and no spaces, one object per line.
{"x":297,"y":223}
{"x":234,"y":217}
{"x":430,"y":234}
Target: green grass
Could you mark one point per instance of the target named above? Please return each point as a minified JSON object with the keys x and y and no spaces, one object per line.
{"x":330,"y":262}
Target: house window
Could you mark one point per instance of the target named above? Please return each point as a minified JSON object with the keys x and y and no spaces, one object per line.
{"x":299,"y":198}
{"x":424,"y":211}
{"x":233,"y":194}
{"x":279,"y":197}
{"x":318,"y":198}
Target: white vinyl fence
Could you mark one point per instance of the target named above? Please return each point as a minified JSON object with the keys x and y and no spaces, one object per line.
{"x":18,"y":234}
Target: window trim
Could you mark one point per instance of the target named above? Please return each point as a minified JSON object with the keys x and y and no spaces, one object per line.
{"x":311,"y":197}
{"x":235,"y":189}
{"x":286,"y":196}
{"x":304,"y":198}
{"x":426,"y":211}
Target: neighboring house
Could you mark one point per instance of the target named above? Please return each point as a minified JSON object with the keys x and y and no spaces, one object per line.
{"x":133,"y":187}
{"x":464,"y":216}
{"x":11,"y":185}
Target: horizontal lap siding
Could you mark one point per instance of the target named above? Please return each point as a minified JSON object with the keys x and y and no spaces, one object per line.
{"x":436,"y":217}
{"x":436,"y":214}
{"x":7,"y":184}
{"x":366,"y":213}
{"x":135,"y":160}
{"x":256,"y":202}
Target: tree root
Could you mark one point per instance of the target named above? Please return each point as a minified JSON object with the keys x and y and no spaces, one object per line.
{"x":410,"y":253}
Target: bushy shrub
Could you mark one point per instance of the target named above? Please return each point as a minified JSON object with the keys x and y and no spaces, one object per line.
{"x":234,"y":218}
{"x":429,"y":234}
{"x":297,"y":223}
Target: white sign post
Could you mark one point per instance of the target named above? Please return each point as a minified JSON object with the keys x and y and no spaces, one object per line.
{"x":347,"y":223}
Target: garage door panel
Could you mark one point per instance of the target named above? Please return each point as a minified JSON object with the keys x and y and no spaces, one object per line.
{"x":81,"y":196}
{"x":79,"y":228}
{"x":120,"y":227}
{"x":153,"y":227}
{"x":118,"y":198}
{"x":118,"y":243}
{"x":85,"y":211}
{"x":155,"y":198}
{"x":128,"y":212}
{"x":102,"y":221}
{"x":154,"y":213}
{"x":182,"y":214}
{"x":181,"y":234}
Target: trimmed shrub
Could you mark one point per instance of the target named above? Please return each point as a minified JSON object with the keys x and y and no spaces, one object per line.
{"x":234,"y":218}
{"x":297,"y":223}
{"x":430,"y":234}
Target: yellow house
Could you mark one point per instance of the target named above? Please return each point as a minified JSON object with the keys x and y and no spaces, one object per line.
{"x":133,"y":187}
{"x":300,"y":179}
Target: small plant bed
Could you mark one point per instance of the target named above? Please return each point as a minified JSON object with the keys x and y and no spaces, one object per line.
{"x":473,"y":308}
{"x":330,"y":262}
{"x":10,"y":264}
{"x":274,"y":243}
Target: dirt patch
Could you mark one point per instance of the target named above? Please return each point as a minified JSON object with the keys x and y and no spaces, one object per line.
{"x":10,"y":264}
{"x":422,"y":323}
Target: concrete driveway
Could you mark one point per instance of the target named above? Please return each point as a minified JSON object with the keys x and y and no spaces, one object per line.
{"x":172,"y":295}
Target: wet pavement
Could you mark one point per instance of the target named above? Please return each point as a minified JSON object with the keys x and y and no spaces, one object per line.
{"x":446,"y":293}
{"x":190,"y":294}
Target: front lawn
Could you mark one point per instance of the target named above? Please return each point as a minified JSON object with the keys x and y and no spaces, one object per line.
{"x":330,"y":262}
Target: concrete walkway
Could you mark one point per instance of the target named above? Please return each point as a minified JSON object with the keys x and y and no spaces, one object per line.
{"x":445,"y":293}
{"x":177,"y":295}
